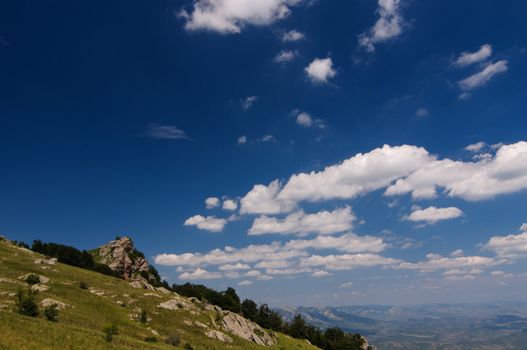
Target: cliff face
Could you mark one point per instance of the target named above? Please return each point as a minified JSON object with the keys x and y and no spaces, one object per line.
{"x":123,"y":259}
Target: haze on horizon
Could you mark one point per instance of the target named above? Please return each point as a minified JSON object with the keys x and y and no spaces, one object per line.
{"x":304,"y":152}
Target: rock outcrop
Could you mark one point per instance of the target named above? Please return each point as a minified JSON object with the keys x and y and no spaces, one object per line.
{"x":243,"y":328}
{"x":123,"y":259}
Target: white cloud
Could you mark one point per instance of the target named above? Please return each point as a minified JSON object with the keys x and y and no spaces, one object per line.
{"x":234,"y":267}
{"x":506,"y":172}
{"x":482,"y":77}
{"x":300,"y":223}
{"x":290,"y":271}
{"x":349,"y":243}
{"x":285,"y":56}
{"x":356,"y":175}
{"x":230,"y":16}
{"x":467,"y":58}
{"x":230,"y":204}
{"x":346,"y":261}
{"x":166,"y":132}
{"x":476,"y":147}
{"x":253,"y":273}
{"x":511,"y":246}
{"x":200,"y":274}
{"x":248,"y":102}
{"x":431,"y":215}
{"x":346,"y":285}
{"x":267,"y":138}
{"x":457,"y":253}
{"x":212,"y":202}
{"x":208,"y":223}
{"x":501,"y":274}
{"x":293,"y":35}
{"x":321,"y":273}
{"x":437,"y":262}
{"x":242,"y":140}
{"x":422,"y":112}
{"x":306,"y":120}
{"x":262,"y":200}
{"x":232,"y":274}
{"x":320,"y":70}
{"x":264,"y":277}
{"x":389,"y":25}
{"x":245,"y":283}
{"x":229,"y":255}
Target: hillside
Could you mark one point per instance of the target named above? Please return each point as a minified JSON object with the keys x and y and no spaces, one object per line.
{"x":84,"y":312}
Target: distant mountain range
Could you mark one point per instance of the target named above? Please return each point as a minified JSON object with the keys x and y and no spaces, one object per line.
{"x":427,"y":327}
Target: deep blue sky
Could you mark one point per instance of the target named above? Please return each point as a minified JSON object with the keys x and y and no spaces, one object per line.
{"x":86,"y":85}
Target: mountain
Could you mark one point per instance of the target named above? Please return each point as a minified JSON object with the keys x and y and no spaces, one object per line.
{"x":130,"y":310}
{"x":489,"y":326}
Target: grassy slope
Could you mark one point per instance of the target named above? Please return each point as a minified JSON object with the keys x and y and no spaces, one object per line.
{"x":80,"y":325}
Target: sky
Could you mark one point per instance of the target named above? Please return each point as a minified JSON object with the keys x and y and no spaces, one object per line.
{"x":304,"y":152}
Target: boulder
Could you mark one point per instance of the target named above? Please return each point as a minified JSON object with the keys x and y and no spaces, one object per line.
{"x":243,"y":328}
{"x":214,"y":334}
{"x":48,"y":302}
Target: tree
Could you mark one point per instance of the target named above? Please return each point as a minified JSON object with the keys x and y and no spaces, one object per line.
{"x":297,"y":328}
{"x":250,"y":310}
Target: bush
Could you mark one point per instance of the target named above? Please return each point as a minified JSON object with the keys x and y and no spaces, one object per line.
{"x":52,"y":313}
{"x":151,"y":339}
{"x":83,"y":285}
{"x":143,"y":317}
{"x":188,"y":347}
{"x":110,"y":330}
{"x":26,"y":303}
{"x":173,"y":339}
{"x":32,"y":279}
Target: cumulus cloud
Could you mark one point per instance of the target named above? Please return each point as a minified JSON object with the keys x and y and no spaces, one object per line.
{"x":166,"y":132}
{"x":231,"y":16}
{"x":245,"y":283}
{"x":242,"y":140}
{"x":292,"y":35}
{"x":262,"y":200}
{"x":511,"y":246}
{"x":200,"y":274}
{"x":300,"y":223}
{"x":306,"y":120}
{"x":234,"y":267}
{"x":467,"y":58}
{"x":346,"y":261}
{"x":285,"y":56}
{"x":389,"y":25}
{"x":437,"y":262}
{"x":321,"y":273}
{"x":482,"y":77}
{"x":208,"y":223}
{"x":475,"y":147}
{"x":349,"y":243}
{"x":320,"y":70}
{"x":212,"y":202}
{"x":431,"y":215}
{"x":247,"y":102}
{"x":230,"y":204}
{"x":506,"y":172}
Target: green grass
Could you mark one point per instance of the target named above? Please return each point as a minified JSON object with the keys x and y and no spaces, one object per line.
{"x":80,"y":325}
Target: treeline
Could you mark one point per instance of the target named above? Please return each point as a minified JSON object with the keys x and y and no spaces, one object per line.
{"x":71,"y":256}
{"x":328,"y":339}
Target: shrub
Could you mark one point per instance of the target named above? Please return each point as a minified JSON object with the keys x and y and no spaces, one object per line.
{"x":151,"y":339}
{"x":83,"y":285}
{"x":26,"y":303}
{"x":143,"y":317}
{"x":173,"y":339}
{"x":188,"y":347}
{"x":52,"y":313}
{"x":110,"y":330}
{"x":32,"y":279}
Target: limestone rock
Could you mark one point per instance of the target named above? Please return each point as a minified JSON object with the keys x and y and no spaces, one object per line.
{"x":39,"y":288}
{"x":214,"y":334}
{"x":122,"y":258}
{"x":243,"y":328}
{"x":48,"y":302}
{"x":177,"y":303}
